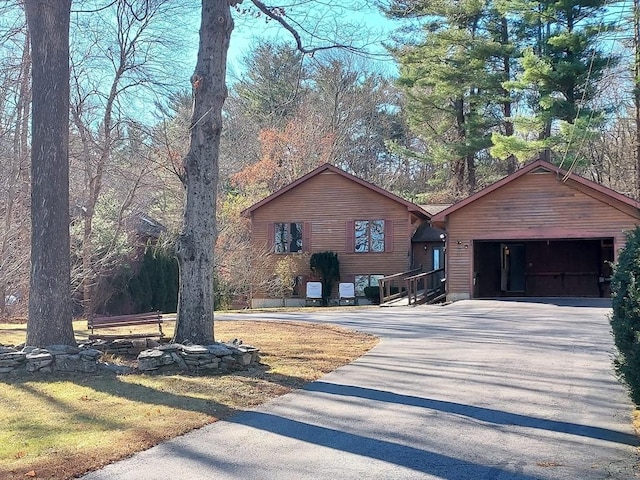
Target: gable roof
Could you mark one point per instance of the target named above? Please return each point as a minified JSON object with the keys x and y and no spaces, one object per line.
{"x":427,"y":233}
{"x":440,"y":217}
{"x":411,"y":207}
{"x":432,"y":209}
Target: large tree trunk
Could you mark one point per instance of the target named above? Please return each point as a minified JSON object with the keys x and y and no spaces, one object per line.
{"x":198,"y":235}
{"x":49,"y":296}
{"x":512,"y":161}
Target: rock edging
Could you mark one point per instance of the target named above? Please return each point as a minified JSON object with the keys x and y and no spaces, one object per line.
{"x":86,"y":358}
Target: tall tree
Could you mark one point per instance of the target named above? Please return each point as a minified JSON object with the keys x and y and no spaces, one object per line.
{"x":559,"y":77}
{"x":636,"y":88}
{"x":49,"y":299}
{"x":451,"y":82}
{"x":15,"y":107}
{"x":274,"y":83}
{"x":197,"y":239}
{"x":195,"y":245}
{"x":101,"y":121}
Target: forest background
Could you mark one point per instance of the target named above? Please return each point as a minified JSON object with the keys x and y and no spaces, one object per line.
{"x":457,"y":96}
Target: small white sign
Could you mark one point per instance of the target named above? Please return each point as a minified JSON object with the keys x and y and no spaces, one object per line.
{"x":314,"y":289}
{"x":347,"y":290}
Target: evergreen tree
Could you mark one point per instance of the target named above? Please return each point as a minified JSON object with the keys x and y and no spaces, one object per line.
{"x":452,"y":79}
{"x":273,"y":86}
{"x":559,"y":73}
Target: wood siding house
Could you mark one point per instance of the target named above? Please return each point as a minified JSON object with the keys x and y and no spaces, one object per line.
{"x":538,"y":232}
{"x":329,"y":209}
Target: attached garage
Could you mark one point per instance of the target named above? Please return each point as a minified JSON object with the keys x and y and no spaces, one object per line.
{"x":537,"y":232}
{"x":547,"y":268}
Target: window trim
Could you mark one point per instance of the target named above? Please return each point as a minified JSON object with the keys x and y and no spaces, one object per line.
{"x":360,"y":293}
{"x":273,"y":231}
{"x":385,"y":228}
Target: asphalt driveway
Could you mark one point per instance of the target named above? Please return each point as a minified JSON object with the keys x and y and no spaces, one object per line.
{"x":476,"y":390}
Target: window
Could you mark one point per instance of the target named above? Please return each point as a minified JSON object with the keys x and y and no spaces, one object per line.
{"x":362,"y":281}
{"x":288,"y":237}
{"x":438,"y":257}
{"x":369,"y":236}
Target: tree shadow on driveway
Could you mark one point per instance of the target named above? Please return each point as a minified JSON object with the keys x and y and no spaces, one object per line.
{"x":423,"y":461}
{"x":488,"y":415}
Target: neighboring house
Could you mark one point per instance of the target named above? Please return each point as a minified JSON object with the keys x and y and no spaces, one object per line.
{"x":329,"y":209}
{"x":537,"y":232}
{"x":144,"y":228}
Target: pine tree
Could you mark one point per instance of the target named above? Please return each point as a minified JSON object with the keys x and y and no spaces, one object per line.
{"x":453,"y":82}
{"x":559,"y":73}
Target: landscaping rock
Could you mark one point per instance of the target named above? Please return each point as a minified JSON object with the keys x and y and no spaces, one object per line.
{"x":36,"y":361}
{"x":195,"y":350}
{"x":12,"y":359}
{"x":151,"y":356}
{"x":62,"y":349}
{"x":115,"y":369}
{"x":68,"y":363}
{"x":219,"y":350}
{"x":90,"y":355}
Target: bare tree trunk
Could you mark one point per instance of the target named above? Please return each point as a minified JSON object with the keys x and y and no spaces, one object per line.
{"x":195,"y":247}
{"x":512,"y":161}
{"x":460,"y":163}
{"x":15,"y":203}
{"x":49,"y":297}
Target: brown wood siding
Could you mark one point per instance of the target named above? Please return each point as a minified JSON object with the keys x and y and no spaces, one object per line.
{"x":328,"y":203}
{"x":534,"y":206}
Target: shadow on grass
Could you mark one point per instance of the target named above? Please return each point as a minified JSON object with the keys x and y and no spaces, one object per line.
{"x":269,"y":385}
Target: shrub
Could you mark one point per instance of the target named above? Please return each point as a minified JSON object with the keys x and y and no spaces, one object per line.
{"x":327,"y":267}
{"x":625,"y":321}
{"x":373,"y":293}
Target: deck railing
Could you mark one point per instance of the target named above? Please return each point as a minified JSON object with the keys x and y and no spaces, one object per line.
{"x":427,"y":286}
{"x":396,"y":280}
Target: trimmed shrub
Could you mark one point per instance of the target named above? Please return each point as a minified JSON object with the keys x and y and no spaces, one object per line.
{"x":373,"y":293}
{"x":625,"y":321}
{"x":327,"y":267}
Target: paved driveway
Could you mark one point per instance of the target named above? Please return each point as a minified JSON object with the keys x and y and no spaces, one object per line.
{"x":477,"y":390}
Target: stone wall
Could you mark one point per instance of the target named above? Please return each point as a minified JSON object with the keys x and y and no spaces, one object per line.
{"x":151,"y":357}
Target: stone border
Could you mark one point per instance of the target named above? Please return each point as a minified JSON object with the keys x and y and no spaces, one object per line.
{"x":86,"y":358}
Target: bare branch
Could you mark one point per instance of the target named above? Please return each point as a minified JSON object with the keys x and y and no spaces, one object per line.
{"x":277,"y":15}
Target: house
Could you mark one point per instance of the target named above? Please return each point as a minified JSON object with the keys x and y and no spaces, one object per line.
{"x":329,"y":209}
{"x":540,"y":231}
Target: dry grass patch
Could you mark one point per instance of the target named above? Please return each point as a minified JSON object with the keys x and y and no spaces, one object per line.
{"x":58,"y":428}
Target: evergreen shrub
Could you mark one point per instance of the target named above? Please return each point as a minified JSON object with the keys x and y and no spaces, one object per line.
{"x":625,"y":321}
{"x":327,"y":267}
{"x":373,"y":293}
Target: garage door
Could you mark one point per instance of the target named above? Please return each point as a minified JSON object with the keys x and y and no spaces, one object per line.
{"x":542,"y":268}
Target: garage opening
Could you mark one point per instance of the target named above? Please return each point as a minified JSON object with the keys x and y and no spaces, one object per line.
{"x":543,"y":268}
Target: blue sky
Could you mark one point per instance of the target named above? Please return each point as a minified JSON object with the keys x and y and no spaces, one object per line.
{"x":368,"y":25}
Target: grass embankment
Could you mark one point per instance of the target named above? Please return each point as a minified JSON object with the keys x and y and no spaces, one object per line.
{"x":59,"y":427}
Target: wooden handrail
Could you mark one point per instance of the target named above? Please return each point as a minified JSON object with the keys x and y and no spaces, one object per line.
{"x":432,"y":277}
{"x":385,"y":284}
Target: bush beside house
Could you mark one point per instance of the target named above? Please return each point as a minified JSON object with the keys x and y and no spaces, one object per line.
{"x":625,"y":321}
{"x":326,"y":266}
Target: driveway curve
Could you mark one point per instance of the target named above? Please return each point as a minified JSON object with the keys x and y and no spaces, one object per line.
{"x":475,"y":390}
